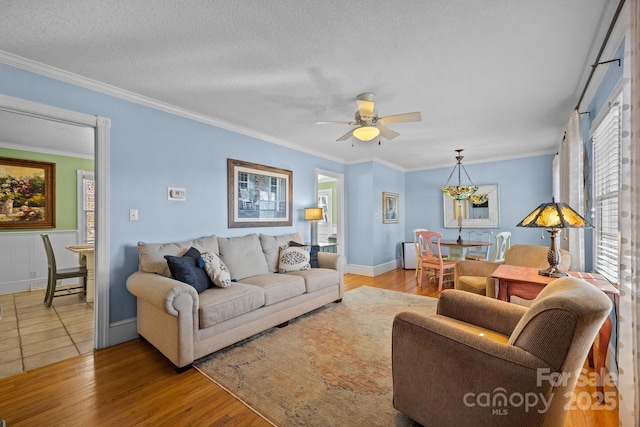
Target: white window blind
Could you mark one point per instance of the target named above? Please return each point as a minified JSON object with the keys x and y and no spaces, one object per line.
{"x":606,"y":183}
{"x":86,"y":207}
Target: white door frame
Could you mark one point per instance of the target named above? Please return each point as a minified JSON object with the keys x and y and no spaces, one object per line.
{"x":101,"y":159}
{"x":342,"y":243}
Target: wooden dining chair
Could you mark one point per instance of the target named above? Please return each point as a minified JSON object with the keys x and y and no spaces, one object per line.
{"x":56,"y":274}
{"x":479,"y":252}
{"x":432,"y":263}
{"x":503,"y":243}
{"x":418,"y":247}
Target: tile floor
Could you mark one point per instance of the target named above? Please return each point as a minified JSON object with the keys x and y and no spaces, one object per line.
{"x":34,"y":335}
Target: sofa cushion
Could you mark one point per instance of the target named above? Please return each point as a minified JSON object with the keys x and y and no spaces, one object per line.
{"x":218,"y":304}
{"x":313,"y":253}
{"x":215,"y":269}
{"x":294,"y":259}
{"x":271,"y":247}
{"x":243,"y":256}
{"x":277,"y":287}
{"x":317,"y":278}
{"x":152,"y":254}
{"x":187,"y":270}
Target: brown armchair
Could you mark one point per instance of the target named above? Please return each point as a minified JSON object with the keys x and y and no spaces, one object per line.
{"x":481,"y":361}
{"x":475,"y":276}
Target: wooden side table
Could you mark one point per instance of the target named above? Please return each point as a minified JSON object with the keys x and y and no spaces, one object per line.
{"x":525,"y":282}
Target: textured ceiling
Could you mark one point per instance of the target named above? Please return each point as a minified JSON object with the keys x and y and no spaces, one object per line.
{"x":497,"y":78}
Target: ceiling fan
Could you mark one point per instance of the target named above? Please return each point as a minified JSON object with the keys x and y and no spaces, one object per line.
{"x":369,"y":125}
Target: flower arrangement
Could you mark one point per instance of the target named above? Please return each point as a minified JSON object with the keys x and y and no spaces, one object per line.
{"x":26,"y":213}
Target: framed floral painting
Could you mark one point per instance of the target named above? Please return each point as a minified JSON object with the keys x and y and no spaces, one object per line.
{"x":27,"y":194}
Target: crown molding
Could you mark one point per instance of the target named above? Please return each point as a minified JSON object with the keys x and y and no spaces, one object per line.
{"x":104,"y":88}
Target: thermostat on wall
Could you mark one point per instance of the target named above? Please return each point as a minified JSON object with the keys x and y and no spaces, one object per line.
{"x":176,"y":194}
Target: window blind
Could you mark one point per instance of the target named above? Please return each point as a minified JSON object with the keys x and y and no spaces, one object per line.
{"x":606,"y":183}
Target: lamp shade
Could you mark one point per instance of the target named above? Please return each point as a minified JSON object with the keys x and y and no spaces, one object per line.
{"x":460,"y":191}
{"x":311,"y":214}
{"x":366,"y":133}
{"x":554,"y":215}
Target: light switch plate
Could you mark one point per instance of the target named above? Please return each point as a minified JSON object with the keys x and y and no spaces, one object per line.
{"x":179,"y":194}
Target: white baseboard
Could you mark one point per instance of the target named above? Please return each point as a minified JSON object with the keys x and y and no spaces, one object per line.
{"x":122,"y":331}
{"x":22,"y":286}
{"x":377,"y":270}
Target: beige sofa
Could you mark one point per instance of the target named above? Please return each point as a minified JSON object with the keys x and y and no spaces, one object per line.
{"x":186,"y":325}
{"x":475,"y":276}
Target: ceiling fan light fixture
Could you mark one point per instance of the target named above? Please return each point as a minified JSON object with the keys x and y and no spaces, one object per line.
{"x":366,"y":133}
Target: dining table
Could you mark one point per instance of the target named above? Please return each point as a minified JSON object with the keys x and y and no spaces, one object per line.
{"x":458,"y":250}
{"x":86,"y":258}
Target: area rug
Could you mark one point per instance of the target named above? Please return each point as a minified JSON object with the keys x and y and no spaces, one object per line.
{"x":331,"y":367}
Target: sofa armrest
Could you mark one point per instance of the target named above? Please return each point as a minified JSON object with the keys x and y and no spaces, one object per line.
{"x":332,"y":260}
{"x":163,"y":292}
{"x":488,"y":313}
{"x":336,"y":262}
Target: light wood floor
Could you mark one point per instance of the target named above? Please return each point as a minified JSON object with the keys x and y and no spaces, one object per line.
{"x":133,"y":384}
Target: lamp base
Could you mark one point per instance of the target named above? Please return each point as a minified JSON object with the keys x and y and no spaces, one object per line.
{"x":314,"y":232}
{"x":552,"y":272}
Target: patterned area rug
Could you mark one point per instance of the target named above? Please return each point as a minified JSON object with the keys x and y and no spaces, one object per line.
{"x":331,"y":367}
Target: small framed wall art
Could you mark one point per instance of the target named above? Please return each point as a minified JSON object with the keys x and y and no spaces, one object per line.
{"x":390,"y":208}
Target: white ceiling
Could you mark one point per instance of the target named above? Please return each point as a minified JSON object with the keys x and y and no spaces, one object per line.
{"x":497,"y":78}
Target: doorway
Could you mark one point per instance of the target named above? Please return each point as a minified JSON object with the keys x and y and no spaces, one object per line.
{"x":71,"y":121}
{"x":330,"y":197}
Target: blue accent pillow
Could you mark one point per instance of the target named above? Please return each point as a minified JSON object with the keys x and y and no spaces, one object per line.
{"x":186,"y":270}
{"x":313,"y":253}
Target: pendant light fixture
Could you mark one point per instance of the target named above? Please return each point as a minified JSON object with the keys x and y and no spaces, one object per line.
{"x":460,"y":192}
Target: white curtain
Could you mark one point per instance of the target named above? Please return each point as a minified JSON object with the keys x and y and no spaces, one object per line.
{"x":629,"y":225}
{"x":571,"y":177}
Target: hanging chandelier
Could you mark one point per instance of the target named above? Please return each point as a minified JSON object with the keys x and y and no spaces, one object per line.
{"x":459,"y":192}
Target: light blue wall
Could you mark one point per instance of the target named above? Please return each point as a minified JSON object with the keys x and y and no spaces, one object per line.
{"x":360,"y":213}
{"x":523,"y":184}
{"x":387,"y":237}
{"x":152,"y":150}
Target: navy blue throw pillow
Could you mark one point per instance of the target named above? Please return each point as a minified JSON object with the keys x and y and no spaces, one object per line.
{"x":187,"y":270}
{"x":313,"y":253}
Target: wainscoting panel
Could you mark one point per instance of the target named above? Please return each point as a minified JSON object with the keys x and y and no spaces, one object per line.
{"x":23,"y":261}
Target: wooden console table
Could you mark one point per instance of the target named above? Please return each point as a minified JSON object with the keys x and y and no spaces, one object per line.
{"x":525,"y":282}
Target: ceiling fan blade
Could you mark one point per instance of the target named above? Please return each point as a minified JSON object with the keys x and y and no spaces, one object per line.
{"x":401,"y":118}
{"x":337,"y":123}
{"x":387,"y":133}
{"x":346,"y":136}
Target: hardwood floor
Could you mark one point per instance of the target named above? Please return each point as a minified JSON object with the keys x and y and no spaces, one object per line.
{"x":133,"y":384}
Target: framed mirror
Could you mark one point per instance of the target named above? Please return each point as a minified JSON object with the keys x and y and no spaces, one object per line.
{"x":466,"y":214}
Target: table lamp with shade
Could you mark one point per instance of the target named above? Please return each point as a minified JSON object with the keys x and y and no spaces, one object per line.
{"x":313,"y":215}
{"x":554,"y":217}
